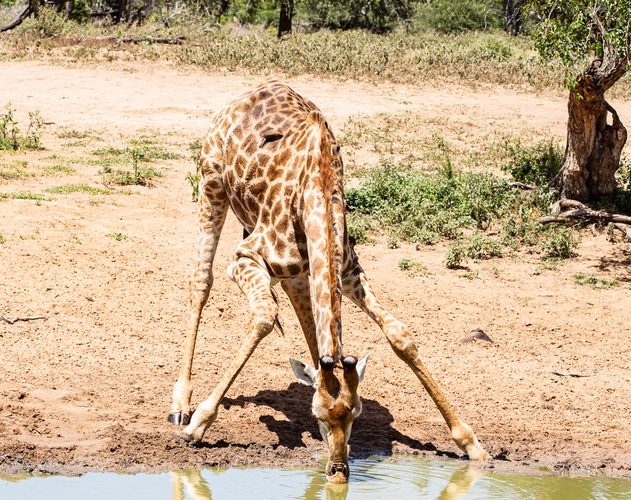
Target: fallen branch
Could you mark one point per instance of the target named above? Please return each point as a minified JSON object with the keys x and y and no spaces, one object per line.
{"x":521,"y":186}
{"x":179,"y":40}
{"x":18,"y":20}
{"x":22,"y":318}
{"x":574,"y":211}
{"x":569,"y":374}
{"x":624,"y":228}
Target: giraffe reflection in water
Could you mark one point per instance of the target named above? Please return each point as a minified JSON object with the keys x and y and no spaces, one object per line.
{"x":189,"y":484}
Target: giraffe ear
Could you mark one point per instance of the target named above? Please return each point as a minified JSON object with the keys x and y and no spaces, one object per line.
{"x":305,"y":374}
{"x":361,"y":368}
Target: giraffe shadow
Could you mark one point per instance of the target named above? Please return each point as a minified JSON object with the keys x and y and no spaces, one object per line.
{"x":373,"y":432}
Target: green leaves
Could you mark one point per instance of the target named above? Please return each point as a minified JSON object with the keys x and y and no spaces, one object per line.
{"x":577,"y":31}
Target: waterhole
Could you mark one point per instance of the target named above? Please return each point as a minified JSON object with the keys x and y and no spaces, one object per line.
{"x":370,"y":479}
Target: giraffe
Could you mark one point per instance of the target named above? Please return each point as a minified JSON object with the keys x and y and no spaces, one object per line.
{"x":271,"y":158}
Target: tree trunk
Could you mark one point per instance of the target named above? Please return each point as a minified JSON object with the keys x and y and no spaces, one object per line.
{"x":512,"y":16}
{"x":286,"y":15}
{"x":592,"y":153}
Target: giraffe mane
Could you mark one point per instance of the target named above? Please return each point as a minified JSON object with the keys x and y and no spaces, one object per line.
{"x":334,"y":228}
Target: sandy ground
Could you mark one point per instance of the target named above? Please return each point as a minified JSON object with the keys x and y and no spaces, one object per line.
{"x":89,"y":386}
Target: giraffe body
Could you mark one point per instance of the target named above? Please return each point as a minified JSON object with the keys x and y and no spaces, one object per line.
{"x":271,"y":157}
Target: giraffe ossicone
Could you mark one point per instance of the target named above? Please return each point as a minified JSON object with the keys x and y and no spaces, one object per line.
{"x":271,"y":157}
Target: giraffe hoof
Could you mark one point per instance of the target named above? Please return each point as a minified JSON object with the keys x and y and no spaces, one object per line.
{"x":190,"y":441}
{"x":179,"y":418}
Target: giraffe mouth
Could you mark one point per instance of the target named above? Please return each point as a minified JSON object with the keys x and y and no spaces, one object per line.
{"x":337,"y":472}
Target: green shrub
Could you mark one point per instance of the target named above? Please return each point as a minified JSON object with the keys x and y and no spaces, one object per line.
{"x":425,"y":208}
{"x":534,"y":165}
{"x":358,"y":226}
{"x":413,"y":267}
{"x":480,"y":247}
{"x":10,"y":136}
{"x":476,"y":247}
{"x":454,"y":256}
{"x":379,"y":16}
{"x":560,"y":243}
{"x":447,"y":16}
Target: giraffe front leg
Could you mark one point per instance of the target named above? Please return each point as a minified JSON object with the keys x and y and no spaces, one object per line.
{"x":357,"y":289}
{"x":212,"y":214}
{"x":297,"y":289}
{"x":255,"y":283}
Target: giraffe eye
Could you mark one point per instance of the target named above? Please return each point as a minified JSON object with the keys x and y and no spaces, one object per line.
{"x":335,"y":149}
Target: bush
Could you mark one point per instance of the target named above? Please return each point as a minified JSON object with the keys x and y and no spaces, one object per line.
{"x":559,"y":244}
{"x":358,"y":226}
{"x":534,"y":165}
{"x":379,"y":16}
{"x":425,"y":208}
{"x":477,"y":247}
{"x":448,"y":16}
{"x":10,"y":136}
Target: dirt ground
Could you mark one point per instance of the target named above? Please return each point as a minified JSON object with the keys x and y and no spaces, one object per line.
{"x":88,"y":387}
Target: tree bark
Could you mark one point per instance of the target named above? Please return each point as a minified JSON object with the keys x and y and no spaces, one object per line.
{"x":512,"y":16}
{"x":592,"y":153}
{"x":285,"y":19}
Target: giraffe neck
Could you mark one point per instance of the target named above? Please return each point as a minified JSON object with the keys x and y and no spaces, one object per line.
{"x":324,"y":223}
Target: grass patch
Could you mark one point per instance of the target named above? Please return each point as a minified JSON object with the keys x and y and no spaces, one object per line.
{"x":21,"y":169}
{"x":138,"y":176}
{"x":413,"y":267}
{"x":17,"y":170}
{"x":3,"y":240}
{"x":594,"y":281}
{"x":79,"y":188}
{"x":58,"y":169}
{"x":74,"y":134}
{"x":138,"y":153}
{"x":117,"y":236}
{"x":23,"y":196}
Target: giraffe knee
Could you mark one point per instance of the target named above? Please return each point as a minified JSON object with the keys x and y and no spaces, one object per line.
{"x":263,"y":320}
{"x":401,"y":341}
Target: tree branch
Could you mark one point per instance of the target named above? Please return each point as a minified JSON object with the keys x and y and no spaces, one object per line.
{"x":18,"y":20}
{"x":566,"y":211}
{"x":179,"y":40}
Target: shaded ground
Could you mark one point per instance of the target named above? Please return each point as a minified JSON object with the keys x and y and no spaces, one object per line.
{"x":88,"y":387}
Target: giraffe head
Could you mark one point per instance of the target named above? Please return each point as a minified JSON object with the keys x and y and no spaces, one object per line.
{"x":335,"y":404}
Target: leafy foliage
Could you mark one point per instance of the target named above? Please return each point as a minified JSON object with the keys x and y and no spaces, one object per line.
{"x":11,"y":137}
{"x":576,"y":30}
{"x":533,"y":165}
{"x":374,"y":15}
{"x":427,"y":207}
{"x":447,"y":16}
{"x":559,"y":244}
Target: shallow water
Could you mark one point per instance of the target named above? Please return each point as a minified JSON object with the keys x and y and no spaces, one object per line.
{"x":370,"y":479}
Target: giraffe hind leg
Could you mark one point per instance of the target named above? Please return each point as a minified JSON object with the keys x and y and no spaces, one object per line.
{"x":356,"y":288}
{"x":213,"y":207}
{"x":255,"y":282}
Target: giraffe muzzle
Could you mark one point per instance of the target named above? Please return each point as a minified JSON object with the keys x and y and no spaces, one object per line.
{"x":337,"y":472}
